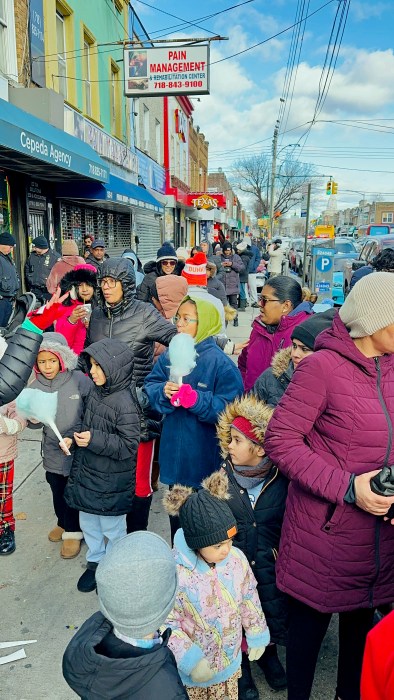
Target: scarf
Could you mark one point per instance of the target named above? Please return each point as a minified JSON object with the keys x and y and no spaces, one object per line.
{"x":142,"y":643}
{"x":248,"y":477}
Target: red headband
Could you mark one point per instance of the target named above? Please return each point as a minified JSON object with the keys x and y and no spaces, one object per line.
{"x":246,"y":428}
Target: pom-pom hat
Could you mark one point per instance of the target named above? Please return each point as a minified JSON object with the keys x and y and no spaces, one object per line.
{"x":195,"y":270}
{"x":370,"y":305}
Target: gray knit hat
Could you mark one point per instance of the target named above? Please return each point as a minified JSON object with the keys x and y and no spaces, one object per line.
{"x":370,"y":305}
{"x":137,"y":583}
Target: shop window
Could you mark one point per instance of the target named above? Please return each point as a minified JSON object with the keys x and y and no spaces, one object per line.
{"x":8,"y":64}
{"x":387,"y":217}
{"x":61,"y":54}
{"x":116,"y":117}
{"x":87,"y":77}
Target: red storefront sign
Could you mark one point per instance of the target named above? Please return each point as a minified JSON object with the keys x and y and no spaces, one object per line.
{"x":203,"y":200}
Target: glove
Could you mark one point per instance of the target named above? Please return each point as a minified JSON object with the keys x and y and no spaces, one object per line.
{"x":255,"y":653}
{"x":202,"y":672}
{"x":185,"y":397}
{"x":383,"y":483}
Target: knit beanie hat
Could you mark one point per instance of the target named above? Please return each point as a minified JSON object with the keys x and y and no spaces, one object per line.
{"x":7,"y":238}
{"x":307,"y":331}
{"x":205,"y":517}
{"x":370,"y":305}
{"x":226,"y":245}
{"x":40,"y":242}
{"x":195,"y":270}
{"x":166,"y":252}
{"x":69,"y":247}
{"x":137,"y":583}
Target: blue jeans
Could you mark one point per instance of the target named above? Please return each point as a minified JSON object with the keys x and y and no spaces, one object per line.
{"x":95,"y":528}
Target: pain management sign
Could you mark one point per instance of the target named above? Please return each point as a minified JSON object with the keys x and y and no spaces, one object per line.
{"x":175,"y":70}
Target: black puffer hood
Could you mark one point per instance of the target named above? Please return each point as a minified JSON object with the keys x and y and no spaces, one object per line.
{"x":116,"y":360}
{"x":92,"y":675}
{"x":120,"y":269}
{"x":74,"y":278}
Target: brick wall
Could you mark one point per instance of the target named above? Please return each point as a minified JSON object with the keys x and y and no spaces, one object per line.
{"x":22,"y":41}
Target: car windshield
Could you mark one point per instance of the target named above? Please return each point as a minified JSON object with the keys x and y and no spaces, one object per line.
{"x":345,"y":248}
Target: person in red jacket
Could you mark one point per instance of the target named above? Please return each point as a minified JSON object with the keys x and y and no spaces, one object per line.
{"x":377,"y":679}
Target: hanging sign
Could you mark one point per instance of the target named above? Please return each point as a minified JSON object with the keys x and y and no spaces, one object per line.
{"x":175,"y":70}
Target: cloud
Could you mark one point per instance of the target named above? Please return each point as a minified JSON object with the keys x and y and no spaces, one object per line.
{"x":362,"y":11}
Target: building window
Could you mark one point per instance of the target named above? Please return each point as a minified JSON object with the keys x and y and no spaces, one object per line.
{"x":145,"y":128}
{"x":87,"y":77}
{"x":61,"y":54}
{"x":8,"y":62}
{"x":387,"y":217}
{"x":158,"y":140}
{"x":115,"y":100}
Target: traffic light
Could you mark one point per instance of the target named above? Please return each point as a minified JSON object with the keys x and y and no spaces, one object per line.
{"x":334,"y":189}
{"x":329,"y":187}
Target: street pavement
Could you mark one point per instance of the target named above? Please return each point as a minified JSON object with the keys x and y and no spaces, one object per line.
{"x":38,"y":595}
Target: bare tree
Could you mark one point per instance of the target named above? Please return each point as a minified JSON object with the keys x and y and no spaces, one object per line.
{"x":252,"y":175}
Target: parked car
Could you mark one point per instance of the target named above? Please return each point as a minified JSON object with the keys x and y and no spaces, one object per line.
{"x":296,"y":255}
{"x":372,"y":246}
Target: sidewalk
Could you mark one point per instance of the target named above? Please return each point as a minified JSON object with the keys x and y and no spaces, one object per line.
{"x":39,"y":598}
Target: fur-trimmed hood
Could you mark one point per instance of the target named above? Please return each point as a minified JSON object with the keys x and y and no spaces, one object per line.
{"x":57,"y":344}
{"x":280,"y":362}
{"x":249,"y":407}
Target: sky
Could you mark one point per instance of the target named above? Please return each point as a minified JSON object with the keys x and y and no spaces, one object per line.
{"x":352,"y":137}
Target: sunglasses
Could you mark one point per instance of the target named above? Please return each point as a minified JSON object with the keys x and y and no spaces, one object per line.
{"x":168,"y":263}
{"x":263,"y":301}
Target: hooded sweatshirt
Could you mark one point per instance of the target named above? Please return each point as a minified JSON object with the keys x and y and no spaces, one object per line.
{"x":72,"y":388}
{"x":189,"y":449}
{"x":97,"y":665}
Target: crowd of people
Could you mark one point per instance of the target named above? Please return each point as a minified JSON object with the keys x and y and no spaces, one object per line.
{"x":279,"y":475}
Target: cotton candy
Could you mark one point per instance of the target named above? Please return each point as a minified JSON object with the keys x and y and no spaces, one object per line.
{"x":36,"y":404}
{"x":182,"y":355}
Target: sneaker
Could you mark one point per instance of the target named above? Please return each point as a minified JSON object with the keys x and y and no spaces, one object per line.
{"x":275,"y":674}
{"x":235,"y":322}
{"x":246,"y":686}
{"x":7,"y":541}
{"x":87,"y":582}
{"x":55,"y":535}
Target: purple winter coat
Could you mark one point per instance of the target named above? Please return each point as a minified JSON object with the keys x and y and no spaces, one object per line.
{"x":335,"y":419}
{"x":257,"y":356}
{"x":230,"y":278}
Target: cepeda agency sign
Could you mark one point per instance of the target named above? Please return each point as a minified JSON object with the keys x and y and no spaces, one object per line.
{"x":175,"y":70}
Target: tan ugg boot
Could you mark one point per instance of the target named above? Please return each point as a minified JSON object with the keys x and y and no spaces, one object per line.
{"x":71,"y":545}
{"x":55,"y":535}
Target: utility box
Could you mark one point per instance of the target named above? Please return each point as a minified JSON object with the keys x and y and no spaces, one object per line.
{"x":322,"y":268}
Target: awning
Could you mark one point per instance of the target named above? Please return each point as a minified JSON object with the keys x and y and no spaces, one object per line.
{"x":116,"y":192}
{"x":30,"y":145}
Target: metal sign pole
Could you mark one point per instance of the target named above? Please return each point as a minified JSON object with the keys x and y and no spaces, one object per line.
{"x":308,"y":203}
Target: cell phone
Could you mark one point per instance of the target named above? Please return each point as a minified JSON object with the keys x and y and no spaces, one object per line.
{"x":88,"y":309}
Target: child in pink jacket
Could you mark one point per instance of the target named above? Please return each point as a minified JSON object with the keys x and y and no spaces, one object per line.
{"x":10,"y":425}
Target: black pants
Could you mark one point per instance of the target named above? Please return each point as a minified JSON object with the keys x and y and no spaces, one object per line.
{"x":67,"y":518}
{"x":5,"y":312}
{"x":307,"y":629}
{"x":233,"y":300}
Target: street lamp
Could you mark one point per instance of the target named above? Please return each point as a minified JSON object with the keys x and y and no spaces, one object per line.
{"x":273,"y":173}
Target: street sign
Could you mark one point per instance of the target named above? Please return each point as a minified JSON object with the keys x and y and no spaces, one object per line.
{"x":322,"y":269}
{"x":323,"y":263}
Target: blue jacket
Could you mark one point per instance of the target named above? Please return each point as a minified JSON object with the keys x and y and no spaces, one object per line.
{"x":255,"y":261}
{"x":189,"y":450}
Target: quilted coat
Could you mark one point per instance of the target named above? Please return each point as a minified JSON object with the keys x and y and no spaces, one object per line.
{"x":334,"y":420}
{"x":102,"y":478}
{"x":257,"y":356}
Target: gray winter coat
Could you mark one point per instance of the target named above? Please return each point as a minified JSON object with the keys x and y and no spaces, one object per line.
{"x":230,"y":275}
{"x":273,"y":382}
{"x":72,"y":388}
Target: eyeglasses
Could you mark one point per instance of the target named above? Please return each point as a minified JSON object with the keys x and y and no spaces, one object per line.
{"x":168,"y":263}
{"x":185,"y":321}
{"x":263,"y":301}
{"x":109,"y":282}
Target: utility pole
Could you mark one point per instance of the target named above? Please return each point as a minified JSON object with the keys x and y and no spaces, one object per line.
{"x":308,"y":204}
{"x":273,"y":176}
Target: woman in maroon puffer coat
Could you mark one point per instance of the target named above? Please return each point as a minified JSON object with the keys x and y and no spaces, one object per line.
{"x":330,"y":434}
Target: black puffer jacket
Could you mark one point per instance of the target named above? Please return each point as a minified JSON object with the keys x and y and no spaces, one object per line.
{"x":99,"y":666}
{"x":38,"y":267}
{"x":17,"y":363}
{"x":136,"y":323}
{"x":273,"y":382}
{"x":102,"y":478}
{"x":258,"y":537}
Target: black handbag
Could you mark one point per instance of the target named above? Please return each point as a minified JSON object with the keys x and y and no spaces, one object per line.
{"x":383,"y":485}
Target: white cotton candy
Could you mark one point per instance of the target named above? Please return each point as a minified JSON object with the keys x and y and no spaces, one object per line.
{"x":42,"y":407}
{"x":182,"y":353}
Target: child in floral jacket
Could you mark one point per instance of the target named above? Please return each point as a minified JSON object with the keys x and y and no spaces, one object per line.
{"x":217,"y":594}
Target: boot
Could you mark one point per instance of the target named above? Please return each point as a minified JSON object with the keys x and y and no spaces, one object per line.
{"x":246,"y":686}
{"x":242,"y":304}
{"x":235,"y":322}
{"x":55,"y":535}
{"x":87,"y":582}
{"x":139,"y":516}
{"x":71,"y":545}
{"x":272,"y":668}
{"x":155,"y":475}
{"x":7,"y":541}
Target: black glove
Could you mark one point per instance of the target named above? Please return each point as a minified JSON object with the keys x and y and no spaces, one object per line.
{"x":383,"y":485}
